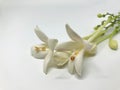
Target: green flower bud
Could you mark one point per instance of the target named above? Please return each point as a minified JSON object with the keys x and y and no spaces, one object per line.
{"x":100,"y":15}
{"x":103,"y":22}
{"x":96,"y":27}
{"x":110,"y":18}
{"x":113,"y":44}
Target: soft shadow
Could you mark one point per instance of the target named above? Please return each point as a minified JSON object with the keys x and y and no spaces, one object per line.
{"x":91,"y":70}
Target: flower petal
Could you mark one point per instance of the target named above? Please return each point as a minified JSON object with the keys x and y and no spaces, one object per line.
{"x":71,"y":66}
{"x":47,"y":61}
{"x":41,"y":35}
{"x":79,"y":61}
{"x":68,"y":46}
{"x":60,"y":58}
{"x":38,"y":54}
{"x":52,"y":43}
{"x":73,"y":35}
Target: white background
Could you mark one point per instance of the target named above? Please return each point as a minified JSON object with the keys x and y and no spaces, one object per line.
{"x":20,"y":71}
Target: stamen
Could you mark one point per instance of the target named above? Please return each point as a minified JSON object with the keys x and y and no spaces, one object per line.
{"x":43,"y":48}
{"x":37,"y":49}
{"x":72,"y":58}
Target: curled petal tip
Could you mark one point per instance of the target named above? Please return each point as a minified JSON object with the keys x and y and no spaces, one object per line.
{"x":40,"y":34}
{"x":72,"y":34}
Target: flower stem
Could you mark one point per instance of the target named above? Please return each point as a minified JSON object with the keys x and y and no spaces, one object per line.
{"x":114,"y":32}
{"x":99,"y":30}
{"x":88,"y":36}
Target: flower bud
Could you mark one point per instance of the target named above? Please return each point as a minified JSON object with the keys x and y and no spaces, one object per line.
{"x":113,"y":44}
{"x":96,"y":27}
{"x":110,"y":18}
{"x":99,"y":15}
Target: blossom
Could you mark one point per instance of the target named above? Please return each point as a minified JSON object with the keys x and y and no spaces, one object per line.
{"x":40,"y":51}
{"x":79,"y":47}
{"x":44,"y":50}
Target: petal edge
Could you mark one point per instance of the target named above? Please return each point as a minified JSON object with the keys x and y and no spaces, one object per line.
{"x":41,"y":35}
{"x":79,"y":62}
{"x":72,"y":34}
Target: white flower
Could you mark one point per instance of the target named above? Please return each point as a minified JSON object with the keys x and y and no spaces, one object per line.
{"x":72,"y":51}
{"x":45,"y":50}
{"x":40,"y":51}
{"x":79,"y":47}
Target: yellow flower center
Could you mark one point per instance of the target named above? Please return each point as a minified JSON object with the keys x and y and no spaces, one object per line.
{"x":72,"y":58}
{"x":38,"y":48}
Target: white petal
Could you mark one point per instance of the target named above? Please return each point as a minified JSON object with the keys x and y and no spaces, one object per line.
{"x":38,"y":55}
{"x":72,"y":34}
{"x":47,"y":61}
{"x":60,"y":58}
{"x":79,"y":61}
{"x":41,"y":35}
{"x":71,"y":66}
{"x":68,"y":46}
{"x":52,"y":43}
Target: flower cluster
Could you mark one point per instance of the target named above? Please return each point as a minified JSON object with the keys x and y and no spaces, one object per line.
{"x":72,"y":53}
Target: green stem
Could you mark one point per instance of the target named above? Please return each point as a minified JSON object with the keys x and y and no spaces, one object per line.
{"x":99,"y":30}
{"x":102,"y":39}
{"x":101,"y":33}
{"x":88,"y":36}
{"x":115,"y":31}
